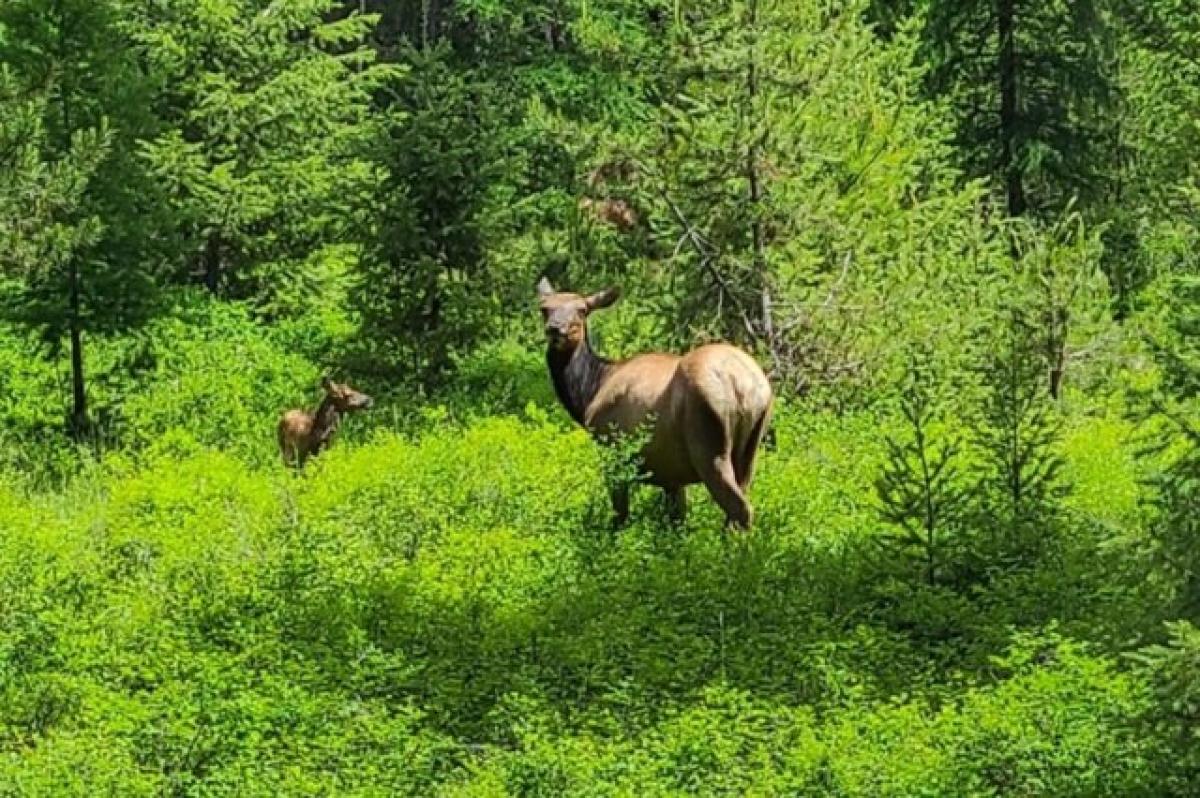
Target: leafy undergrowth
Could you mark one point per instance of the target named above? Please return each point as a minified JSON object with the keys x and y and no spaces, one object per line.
{"x":450,"y":614}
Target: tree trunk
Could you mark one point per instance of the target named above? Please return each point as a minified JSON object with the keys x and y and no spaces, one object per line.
{"x":1009,"y":117}
{"x":80,"y":423}
{"x":432,"y":13}
{"x":212,"y":263}
{"x":1120,"y":270}
{"x":754,"y":178}
{"x":1059,"y":319}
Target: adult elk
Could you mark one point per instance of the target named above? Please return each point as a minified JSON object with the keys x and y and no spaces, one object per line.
{"x":303,"y":434}
{"x":707,"y":410}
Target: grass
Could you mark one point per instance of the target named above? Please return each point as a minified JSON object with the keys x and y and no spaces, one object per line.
{"x":448,"y":612}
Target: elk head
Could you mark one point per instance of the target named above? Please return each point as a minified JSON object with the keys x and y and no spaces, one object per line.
{"x":345,"y":398}
{"x":564,"y":315}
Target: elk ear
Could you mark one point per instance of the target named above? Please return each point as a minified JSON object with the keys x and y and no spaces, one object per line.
{"x":326,"y":384}
{"x":544,"y":288}
{"x":604,"y":298}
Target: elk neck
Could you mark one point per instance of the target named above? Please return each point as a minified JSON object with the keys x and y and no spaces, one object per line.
{"x":578,"y":375}
{"x":325,"y":421}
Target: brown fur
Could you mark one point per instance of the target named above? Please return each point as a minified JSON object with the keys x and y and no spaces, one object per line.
{"x":617,"y":212}
{"x":708,"y":408}
{"x":303,"y":434}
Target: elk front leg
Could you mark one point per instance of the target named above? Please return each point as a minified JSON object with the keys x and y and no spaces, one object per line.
{"x":676,"y":504}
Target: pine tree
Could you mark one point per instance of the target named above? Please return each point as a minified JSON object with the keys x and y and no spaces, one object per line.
{"x":781,"y":129}
{"x":1032,"y":86}
{"x":1174,"y":405}
{"x":1151,"y":198}
{"x":100,"y":273}
{"x":717,"y":130}
{"x":1064,"y":292}
{"x":504,"y":111}
{"x":921,"y":489}
{"x":36,"y":196}
{"x":1020,"y":469}
{"x":423,"y":292}
{"x":266,"y":151}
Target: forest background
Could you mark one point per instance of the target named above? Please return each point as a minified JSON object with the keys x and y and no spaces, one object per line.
{"x":960,"y":235}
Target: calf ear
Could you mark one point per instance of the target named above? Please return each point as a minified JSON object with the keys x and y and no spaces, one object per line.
{"x":326,"y":383}
{"x":544,"y":288}
{"x":604,"y":298}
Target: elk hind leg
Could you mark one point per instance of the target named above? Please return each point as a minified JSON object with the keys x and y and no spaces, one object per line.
{"x":711,"y":453}
{"x":719,"y":478}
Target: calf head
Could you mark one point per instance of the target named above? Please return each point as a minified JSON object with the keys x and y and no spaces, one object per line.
{"x":345,"y":398}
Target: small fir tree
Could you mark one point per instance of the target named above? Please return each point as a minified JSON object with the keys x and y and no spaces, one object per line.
{"x":1016,"y":436}
{"x":920,"y":491}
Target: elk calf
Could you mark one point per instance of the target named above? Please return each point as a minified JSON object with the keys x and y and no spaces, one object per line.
{"x":303,"y":434}
{"x":708,"y":409}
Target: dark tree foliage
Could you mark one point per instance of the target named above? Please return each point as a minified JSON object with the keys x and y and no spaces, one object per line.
{"x":1171,"y":668}
{"x":426,"y":288}
{"x":1152,"y":144}
{"x":1031,"y":85}
{"x":479,"y":198}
